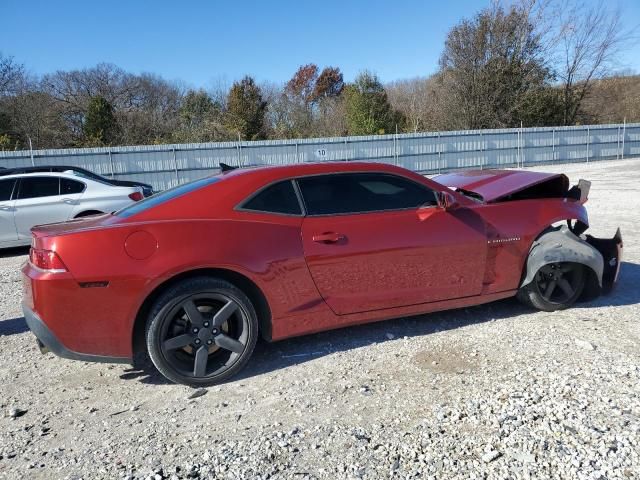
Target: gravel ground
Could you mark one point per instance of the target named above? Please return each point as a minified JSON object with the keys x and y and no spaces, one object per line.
{"x":495,"y":391}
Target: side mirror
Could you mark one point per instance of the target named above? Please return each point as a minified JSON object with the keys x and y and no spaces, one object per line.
{"x":448,"y":201}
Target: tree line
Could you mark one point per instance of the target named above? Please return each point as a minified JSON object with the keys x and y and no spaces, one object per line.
{"x":530,"y":63}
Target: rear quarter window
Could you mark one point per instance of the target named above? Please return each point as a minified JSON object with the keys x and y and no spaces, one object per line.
{"x":278,"y":198}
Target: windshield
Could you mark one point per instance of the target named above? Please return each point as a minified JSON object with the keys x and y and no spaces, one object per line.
{"x":165,"y":196}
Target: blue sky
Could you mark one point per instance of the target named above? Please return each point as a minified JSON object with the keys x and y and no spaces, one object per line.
{"x":203,"y":42}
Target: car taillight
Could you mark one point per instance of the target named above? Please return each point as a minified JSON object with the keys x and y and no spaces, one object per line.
{"x":46,"y":260}
{"x":136,"y":196}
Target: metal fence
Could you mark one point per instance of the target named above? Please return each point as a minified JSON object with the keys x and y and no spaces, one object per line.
{"x":164,"y":166}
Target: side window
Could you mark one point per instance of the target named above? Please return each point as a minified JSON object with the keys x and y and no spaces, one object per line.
{"x":68,"y":186}
{"x":277,"y":198}
{"x":6,"y":187}
{"x":362,"y":192}
{"x":35,"y":187}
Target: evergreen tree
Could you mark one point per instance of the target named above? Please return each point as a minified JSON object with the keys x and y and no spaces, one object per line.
{"x":100,"y":126}
{"x":367,"y":108}
{"x":245,"y":109}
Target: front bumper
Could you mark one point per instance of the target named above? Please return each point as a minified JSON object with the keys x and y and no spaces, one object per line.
{"x":47,"y":341}
{"x":611,"y":251}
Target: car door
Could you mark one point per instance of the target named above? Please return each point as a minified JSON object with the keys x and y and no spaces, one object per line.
{"x":8,"y":233}
{"x":374,"y":241}
{"x":38,"y":202}
{"x":71,"y":192}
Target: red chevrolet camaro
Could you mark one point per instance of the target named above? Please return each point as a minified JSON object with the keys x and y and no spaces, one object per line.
{"x":194,"y":274}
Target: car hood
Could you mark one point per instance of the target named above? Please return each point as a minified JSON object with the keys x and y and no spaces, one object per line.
{"x":493,"y":185}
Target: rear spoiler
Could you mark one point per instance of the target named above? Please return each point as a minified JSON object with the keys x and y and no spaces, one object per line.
{"x":580,"y":192}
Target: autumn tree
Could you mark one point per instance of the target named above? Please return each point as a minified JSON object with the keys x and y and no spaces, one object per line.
{"x":100,"y":126}
{"x":245,"y":110}
{"x":367,"y":108}
{"x":302,"y":84}
{"x":329,"y":84}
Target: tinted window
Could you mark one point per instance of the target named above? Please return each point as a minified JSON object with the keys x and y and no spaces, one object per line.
{"x":278,"y":198}
{"x":362,"y":192}
{"x":6,"y":187}
{"x":34,"y":187}
{"x":165,"y":196}
{"x":68,"y":186}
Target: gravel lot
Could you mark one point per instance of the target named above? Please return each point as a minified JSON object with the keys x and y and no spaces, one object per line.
{"x":494,"y":391}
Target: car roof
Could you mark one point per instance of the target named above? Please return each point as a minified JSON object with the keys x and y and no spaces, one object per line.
{"x":45,"y":174}
{"x":274,"y":172}
{"x":41,"y":168}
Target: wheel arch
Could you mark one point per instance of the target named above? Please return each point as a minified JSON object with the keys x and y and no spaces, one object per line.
{"x":86,"y":213}
{"x":255,"y":294}
{"x":559,"y":244}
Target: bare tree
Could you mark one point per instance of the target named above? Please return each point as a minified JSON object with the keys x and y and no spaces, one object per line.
{"x":584,"y":42}
{"x":412,"y":98}
{"x":11,"y":74}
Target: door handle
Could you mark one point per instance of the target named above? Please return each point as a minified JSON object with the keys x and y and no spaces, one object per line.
{"x":69,"y":201}
{"x":328,"y":237}
{"x":6,"y":208}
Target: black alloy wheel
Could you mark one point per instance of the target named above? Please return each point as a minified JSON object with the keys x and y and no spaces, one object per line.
{"x":201,"y":332}
{"x":556,"y":286}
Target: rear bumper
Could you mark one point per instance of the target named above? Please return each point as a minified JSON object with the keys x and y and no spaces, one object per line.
{"x":48,"y":342}
{"x":611,"y":251}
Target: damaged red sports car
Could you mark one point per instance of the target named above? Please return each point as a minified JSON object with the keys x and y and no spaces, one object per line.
{"x":194,"y":274}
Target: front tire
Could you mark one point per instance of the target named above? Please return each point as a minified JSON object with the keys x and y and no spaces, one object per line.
{"x":556,"y":286}
{"x":201,"y":331}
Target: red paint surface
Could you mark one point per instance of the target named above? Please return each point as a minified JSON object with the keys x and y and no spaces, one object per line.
{"x":383,"y":265}
{"x":493,"y":184}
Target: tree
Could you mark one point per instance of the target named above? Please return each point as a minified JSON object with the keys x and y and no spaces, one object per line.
{"x":100,"y":126}
{"x":488,"y":66}
{"x":302,"y":84}
{"x":245,"y":110}
{"x":584,"y":42}
{"x":11,"y":74}
{"x":412,"y":98}
{"x":367,"y":109}
{"x":200,"y":119}
{"x":329,"y":83}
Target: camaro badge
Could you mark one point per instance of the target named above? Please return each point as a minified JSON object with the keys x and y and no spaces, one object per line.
{"x":503,"y":240}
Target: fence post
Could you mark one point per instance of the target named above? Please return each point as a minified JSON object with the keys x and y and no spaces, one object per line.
{"x":522,"y":154}
{"x":395,"y":146}
{"x":111,"y":164}
{"x":297,"y":159}
{"x":481,"y":150}
{"x":439,"y":152}
{"x":587,"y":144}
{"x":518,"y":148}
{"x":624,"y":134}
{"x":618,"y":145}
{"x":33,"y":164}
{"x":175,"y":165}
{"x":553,"y":145}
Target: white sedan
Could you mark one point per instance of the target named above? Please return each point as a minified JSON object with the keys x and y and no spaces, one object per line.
{"x":33,"y":199}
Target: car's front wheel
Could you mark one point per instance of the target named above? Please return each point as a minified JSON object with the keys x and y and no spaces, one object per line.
{"x":201,"y":331}
{"x":556,"y":286}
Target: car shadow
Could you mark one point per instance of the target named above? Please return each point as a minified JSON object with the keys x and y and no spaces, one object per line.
{"x":625,"y":292}
{"x":14,"y":252}
{"x":13,"y":326}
